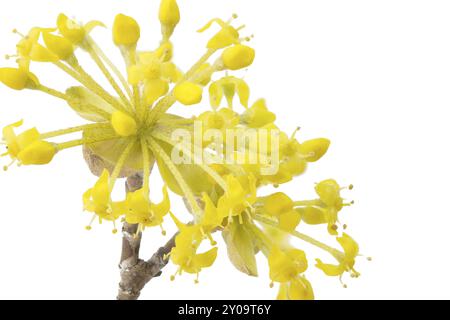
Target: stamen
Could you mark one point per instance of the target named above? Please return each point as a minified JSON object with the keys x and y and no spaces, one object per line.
{"x":163,"y":232}
{"x":10,"y":56}
{"x":89,"y":226}
{"x":295,"y":133}
{"x":114,"y":231}
{"x":342,"y":283}
{"x":196,"y":281}
{"x":15,"y":31}
{"x":6,"y":167}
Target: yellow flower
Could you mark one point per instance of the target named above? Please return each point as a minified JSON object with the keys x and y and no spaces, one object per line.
{"x":346,"y":262}
{"x":140,"y":210}
{"x":227,"y":35}
{"x":185,"y":255}
{"x":228,"y":86}
{"x":239,"y":196}
{"x":98,"y":199}
{"x":286,"y":265}
{"x":27,"y":147}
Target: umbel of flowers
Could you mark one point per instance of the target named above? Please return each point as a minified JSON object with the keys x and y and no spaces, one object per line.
{"x":130,"y":128}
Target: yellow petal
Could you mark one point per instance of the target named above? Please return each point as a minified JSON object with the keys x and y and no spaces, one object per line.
{"x":59,"y":46}
{"x":243,"y":92}
{"x":330,"y":269}
{"x":289,"y":220}
{"x":41,"y":54}
{"x":314,"y":149}
{"x":277,"y":204}
{"x":37,"y":153}
{"x":286,"y":265}
{"x":350,"y":246}
{"x":205,"y":260}
{"x":300,"y":289}
{"x":70,"y":30}
{"x":162,"y":208}
{"x":101,"y":190}
{"x":215,"y":94}
{"x":258,"y":115}
{"x":313,"y":215}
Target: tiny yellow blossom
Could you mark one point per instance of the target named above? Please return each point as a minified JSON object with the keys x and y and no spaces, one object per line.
{"x":346,"y":262}
{"x":228,"y":87}
{"x":140,"y":210}
{"x":227,"y":35}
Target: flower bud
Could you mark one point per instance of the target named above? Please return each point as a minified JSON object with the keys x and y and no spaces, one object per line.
{"x":38,"y":153}
{"x":18,"y":79}
{"x":169,"y":16}
{"x":126,"y":31}
{"x":123,"y":124}
{"x":238,"y":57}
{"x":188,"y":93}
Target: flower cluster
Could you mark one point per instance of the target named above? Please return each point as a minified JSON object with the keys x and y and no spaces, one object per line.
{"x":131,"y":130}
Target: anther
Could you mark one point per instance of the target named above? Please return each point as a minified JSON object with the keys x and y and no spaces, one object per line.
{"x":271,"y":285}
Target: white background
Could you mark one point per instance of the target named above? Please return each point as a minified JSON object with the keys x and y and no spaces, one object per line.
{"x":373,"y":76}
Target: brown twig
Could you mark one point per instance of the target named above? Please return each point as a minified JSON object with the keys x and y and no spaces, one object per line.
{"x":134,"y":272}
